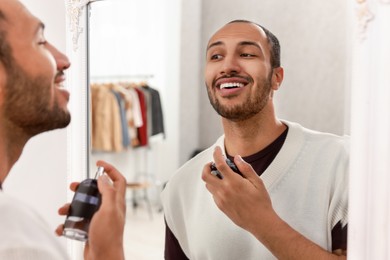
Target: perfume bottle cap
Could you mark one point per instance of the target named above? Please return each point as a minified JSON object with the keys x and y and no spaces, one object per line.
{"x":99,"y":172}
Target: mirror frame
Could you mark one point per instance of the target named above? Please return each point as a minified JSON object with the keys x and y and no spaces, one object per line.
{"x":77,"y":84}
{"x":77,"y":78}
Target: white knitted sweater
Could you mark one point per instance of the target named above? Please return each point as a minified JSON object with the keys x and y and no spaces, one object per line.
{"x":307,"y":183}
{"x":24,"y":233}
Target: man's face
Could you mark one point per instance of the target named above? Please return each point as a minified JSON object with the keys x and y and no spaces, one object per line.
{"x":33,"y":98}
{"x":238,"y":74}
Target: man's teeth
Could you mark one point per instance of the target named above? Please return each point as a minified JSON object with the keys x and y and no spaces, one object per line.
{"x":231,"y":85}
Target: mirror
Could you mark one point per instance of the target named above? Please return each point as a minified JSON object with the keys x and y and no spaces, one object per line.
{"x":131,"y":43}
{"x":127,"y":58}
{"x":130,"y":109}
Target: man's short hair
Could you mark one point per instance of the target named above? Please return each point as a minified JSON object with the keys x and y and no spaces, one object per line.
{"x":272,"y":40}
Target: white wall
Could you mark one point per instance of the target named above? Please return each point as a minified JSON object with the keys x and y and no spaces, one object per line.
{"x":190,"y":77}
{"x":39,"y":177}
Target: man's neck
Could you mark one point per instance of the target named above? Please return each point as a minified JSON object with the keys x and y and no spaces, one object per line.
{"x":250,"y":136}
{"x":11,"y":147}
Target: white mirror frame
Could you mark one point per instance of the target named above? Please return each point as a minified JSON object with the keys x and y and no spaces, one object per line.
{"x":77,"y":83}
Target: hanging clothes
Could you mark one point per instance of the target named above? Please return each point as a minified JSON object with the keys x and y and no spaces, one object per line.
{"x":156,"y":113}
{"x":124,"y":115}
{"x":106,"y":122}
{"x":143,"y":130}
{"x":134,"y":115}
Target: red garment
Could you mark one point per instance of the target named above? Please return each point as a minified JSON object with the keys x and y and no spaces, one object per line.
{"x":143,"y":130}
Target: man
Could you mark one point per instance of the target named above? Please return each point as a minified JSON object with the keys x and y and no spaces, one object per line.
{"x":297,"y":209}
{"x":33,"y":101}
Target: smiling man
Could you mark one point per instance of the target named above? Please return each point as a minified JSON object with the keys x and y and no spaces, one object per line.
{"x":292,"y":198}
{"x":32,"y":101}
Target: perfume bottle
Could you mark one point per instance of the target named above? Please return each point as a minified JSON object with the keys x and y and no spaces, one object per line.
{"x":231,"y":164}
{"x":86,"y":201}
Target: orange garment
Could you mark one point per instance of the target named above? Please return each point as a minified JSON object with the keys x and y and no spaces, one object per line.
{"x":106,"y":122}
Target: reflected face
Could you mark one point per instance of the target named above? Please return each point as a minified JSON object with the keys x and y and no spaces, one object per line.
{"x":238,"y":72}
{"x":33,"y":98}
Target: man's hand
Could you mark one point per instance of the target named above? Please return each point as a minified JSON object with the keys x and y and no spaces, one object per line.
{"x":107,"y":225}
{"x":241,"y":199}
{"x":247,"y":203}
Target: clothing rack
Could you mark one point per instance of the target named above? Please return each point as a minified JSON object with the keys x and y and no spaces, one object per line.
{"x":144,"y":181}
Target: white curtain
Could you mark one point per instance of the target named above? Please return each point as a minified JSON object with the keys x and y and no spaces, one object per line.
{"x":369,"y":221}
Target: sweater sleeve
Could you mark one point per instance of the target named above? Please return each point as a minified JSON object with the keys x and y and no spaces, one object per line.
{"x":339,"y":202}
{"x":173,"y":249}
{"x":339,"y":237}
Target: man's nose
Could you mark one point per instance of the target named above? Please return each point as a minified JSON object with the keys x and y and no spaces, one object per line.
{"x":61,"y":59}
{"x":230,"y":65}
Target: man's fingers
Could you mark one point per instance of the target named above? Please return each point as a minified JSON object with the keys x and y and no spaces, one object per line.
{"x":117,"y":178}
{"x":59,"y":230}
{"x":247,"y":170}
{"x":64,"y":209}
{"x":73,"y":186}
{"x":244,"y":167}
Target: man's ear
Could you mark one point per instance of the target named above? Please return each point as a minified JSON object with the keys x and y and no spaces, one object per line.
{"x":277,"y":77}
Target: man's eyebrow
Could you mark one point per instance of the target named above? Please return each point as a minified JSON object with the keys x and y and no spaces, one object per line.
{"x":251,"y":44}
{"x":214,"y":44}
{"x":243,"y":43}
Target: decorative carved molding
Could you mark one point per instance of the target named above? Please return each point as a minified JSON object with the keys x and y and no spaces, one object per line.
{"x":365,"y":16}
{"x":74,"y":10}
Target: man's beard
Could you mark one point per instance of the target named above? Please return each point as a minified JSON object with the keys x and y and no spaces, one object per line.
{"x":252,"y":106}
{"x":28,"y":103}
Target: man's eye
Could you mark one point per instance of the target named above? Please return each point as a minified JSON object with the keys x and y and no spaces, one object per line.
{"x":41,"y":39}
{"x":216,"y":57}
{"x":247,"y":55}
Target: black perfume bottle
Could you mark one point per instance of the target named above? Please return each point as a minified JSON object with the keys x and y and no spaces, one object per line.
{"x":86,"y":201}
{"x":230,"y":163}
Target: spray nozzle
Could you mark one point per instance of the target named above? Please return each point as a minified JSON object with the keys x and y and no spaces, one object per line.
{"x":99,"y":172}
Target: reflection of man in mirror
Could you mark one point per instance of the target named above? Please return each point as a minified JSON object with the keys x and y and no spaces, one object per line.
{"x":297,"y":209}
{"x":33,"y":101}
